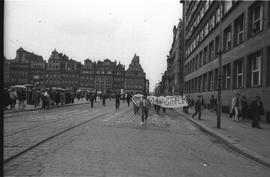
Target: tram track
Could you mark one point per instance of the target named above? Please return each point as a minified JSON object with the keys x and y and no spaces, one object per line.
{"x":53,"y":136}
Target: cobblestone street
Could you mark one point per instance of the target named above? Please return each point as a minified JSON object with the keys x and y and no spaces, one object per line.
{"x":101,"y":141}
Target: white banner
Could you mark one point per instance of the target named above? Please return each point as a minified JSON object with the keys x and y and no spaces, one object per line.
{"x":165,"y":102}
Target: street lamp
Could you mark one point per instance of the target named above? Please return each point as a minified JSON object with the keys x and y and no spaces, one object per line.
{"x":219,"y":69}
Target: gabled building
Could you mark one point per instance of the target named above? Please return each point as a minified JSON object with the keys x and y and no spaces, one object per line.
{"x":135,"y":80}
{"x":27,"y":68}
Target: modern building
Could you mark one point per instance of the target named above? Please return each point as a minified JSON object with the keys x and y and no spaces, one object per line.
{"x":245,"y":46}
{"x":135,"y":77}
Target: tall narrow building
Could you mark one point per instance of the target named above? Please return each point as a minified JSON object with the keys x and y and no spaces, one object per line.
{"x":135,"y":80}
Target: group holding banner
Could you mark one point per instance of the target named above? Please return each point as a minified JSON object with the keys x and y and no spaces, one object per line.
{"x":165,"y":102}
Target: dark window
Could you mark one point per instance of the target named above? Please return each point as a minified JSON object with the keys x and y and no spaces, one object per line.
{"x":210,"y":81}
{"x":227,"y":76}
{"x":227,"y":39}
{"x":238,"y":74}
{"x":254,"y":68}
{"x":239,"y":30}
{"x":255,"y":16}
{"x":205,"y":55}
{"x":211,"y":51}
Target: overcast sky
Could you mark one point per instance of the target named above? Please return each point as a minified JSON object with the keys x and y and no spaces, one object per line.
{"x":95,"y":29}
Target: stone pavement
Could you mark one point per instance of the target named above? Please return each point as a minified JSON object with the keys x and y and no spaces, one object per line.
{"x":251,"y":142}
{"x":117,"y":145}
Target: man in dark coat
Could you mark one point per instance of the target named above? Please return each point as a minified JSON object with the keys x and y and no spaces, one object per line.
{"x":128,"y":98}
{"x":117,"y":100}
{"x":92,"y":99}
{"x":256,"y":110}
{"x":198,"y":107}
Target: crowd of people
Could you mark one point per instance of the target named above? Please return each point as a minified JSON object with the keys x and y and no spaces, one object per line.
{"x":34,"y":96}
{"x":239,"y":108}
{"x":50,"y":97}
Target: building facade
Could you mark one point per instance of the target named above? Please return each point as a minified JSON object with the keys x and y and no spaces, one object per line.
{"x":175,"y":61}
{"x":135,"y":77}
{"x":26,"y":68}
{"x":118,"y":77}
{"x":245,"y":48}
{"x":87,"y":79}
{"x":104,"y":76}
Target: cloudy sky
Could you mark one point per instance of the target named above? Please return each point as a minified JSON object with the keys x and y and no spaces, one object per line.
{"x":95,"y":29}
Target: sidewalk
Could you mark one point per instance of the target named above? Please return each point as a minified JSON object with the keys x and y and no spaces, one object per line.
{"x":32,"y":107}
{"x":251,"y":142}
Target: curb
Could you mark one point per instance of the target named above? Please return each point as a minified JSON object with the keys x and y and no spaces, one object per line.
{"x":50,"y":107}
{"x":234,"y":145}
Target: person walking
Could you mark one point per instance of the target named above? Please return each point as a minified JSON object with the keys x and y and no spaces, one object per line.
{"x":235,"y":107}
{"x":212,"y":104}
{"x":13,"y":96}
{"x":198,"y":107}
{"x":128,"y":98}
{"x":244,"y":107}
{"x":256,"y":110}
{"x":145,"y":106}
{"x":117,"y":100}
{"x":34,"y":97}
{"x":103,"y":100}
{"x":92,"y":99}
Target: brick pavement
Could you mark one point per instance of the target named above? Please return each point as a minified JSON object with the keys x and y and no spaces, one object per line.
{"x":117,"y":145}
{"x":241,"y":132}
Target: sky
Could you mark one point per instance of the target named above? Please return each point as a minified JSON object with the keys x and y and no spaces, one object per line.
{"x":94,"y":29}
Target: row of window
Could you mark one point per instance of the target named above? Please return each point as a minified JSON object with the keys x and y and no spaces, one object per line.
{"x":19,"y":80}
{"x":134,"y":87}
{"x":232,"y":74}
{"x":210,"y":52}
{"x":200,"y":16}
{"x":255,"y":19}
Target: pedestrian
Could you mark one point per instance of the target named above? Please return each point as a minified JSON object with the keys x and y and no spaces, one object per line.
{"x":198,"y":107}
{"x":62,"y":98}
{"x":57,"y":97}
{"x":38,"y":97}
{"x":34,"y":97}
{"x":235,"y":107}
{"x":23,"y":98}
{"x":72,"y":96}
{"x":212,"y":104}
{"x":244,"y":107}
{"x":145,"y":106}
{"x":256,"y":110}
{"x":117,"y":100}
{"x":103,"y":99}
{"x":92,"y":99}
{"x":13,"y":96}
{"x":128,"y":98}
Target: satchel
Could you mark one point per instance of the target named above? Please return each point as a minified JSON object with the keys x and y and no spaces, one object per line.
{"x":232,"y":113}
